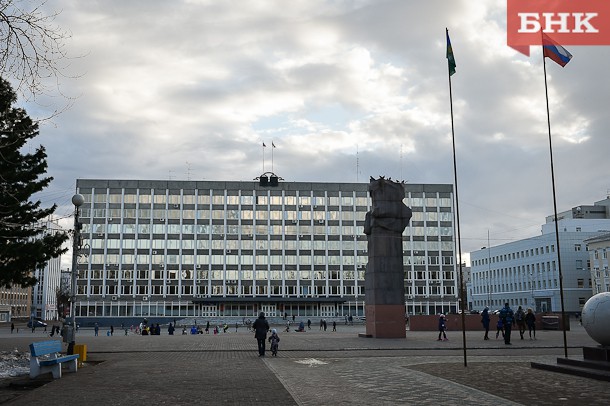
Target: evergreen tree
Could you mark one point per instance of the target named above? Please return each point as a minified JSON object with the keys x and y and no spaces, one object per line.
{"x":24,"y":244}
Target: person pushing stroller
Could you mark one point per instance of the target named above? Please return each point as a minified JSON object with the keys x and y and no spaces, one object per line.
{"x":274,"y":339}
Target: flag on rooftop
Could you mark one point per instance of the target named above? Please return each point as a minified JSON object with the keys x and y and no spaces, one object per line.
{"x":264,"y":146}
{"x":555,"y":51}
{"x":450,"y":57}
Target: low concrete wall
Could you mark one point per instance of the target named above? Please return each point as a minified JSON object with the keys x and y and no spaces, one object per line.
{"x":473,"y":322}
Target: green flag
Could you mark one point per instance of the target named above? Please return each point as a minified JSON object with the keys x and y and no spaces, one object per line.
{"x":450,"y":57}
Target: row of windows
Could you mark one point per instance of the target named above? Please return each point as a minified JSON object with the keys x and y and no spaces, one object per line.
{"x":418,"y":247}
{"x":145,"y":215}
{"x":187,"y":274}
{"x":347,"y":259}
{"x":516,"y":255}
{"x":233,"y":198}
{"x":218,"y":290}
{"x":100,"y":240}
{"x":316,"y":290}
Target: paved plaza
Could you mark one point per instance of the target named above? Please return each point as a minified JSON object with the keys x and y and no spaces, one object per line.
{"x":315,"y":368}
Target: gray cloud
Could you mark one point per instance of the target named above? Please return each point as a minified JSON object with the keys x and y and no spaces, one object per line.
{"x":205,"y":82}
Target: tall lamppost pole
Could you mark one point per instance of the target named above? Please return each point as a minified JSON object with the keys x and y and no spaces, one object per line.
{"x":77,"y":201}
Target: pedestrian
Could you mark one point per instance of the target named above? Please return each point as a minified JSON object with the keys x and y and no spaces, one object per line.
{"x":325,"y":324}
{"x":158,"y":329}
{"x":520,"y":319}
{"x":530,"y":320}
{"x":485,"y":319}
{"x":12,"y":327}
{"x":207,"y":327}
{"x":111,"y":330}
{"x":508,"y":317}
{"x":170,"y":329}
{"x":287,"y":326}
{"x":499,"y":328}
{"x":236,"y":326}
{"x":309,"y":324}
{"x":321,"y":324}
{"x":96,"y":329}
{"x":293,"y":317}
{"x":442,"y":327}
{"x":334,"y":325}
{"x":274,"y":339}
{"x":261,"y":327}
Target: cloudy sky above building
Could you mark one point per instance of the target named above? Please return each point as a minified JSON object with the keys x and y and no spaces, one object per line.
{"x":345,"y":90}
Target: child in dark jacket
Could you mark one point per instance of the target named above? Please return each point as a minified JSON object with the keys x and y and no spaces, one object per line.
{"x":274,"y":339}
{"x":500,"y":329}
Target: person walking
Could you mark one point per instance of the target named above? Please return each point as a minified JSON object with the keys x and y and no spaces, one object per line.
{"x":12,"y":327}
{"x":111,"y":330}
{"x":170,"y":329}
{"x":334,"y":325}
{"x":520,"y":319}
{"x":508,"y":316}
{"x":485,"y":319}
{"x":442,"y":327}
{"x":308,"y":324}
{"x":530,"y":320}
{"x":96,"y":329}
{"x":261,"y":327}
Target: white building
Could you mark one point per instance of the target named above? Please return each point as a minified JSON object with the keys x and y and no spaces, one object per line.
{"x":44,"y":293}
{"x":599,"y":250}
{"x":525,"y":272}
{"x":172,"y":249}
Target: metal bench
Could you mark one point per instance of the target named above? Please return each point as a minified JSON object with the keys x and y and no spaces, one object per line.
{"x":45,"y":357}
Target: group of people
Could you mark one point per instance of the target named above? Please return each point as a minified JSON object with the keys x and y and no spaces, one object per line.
{"x":506,"y":318}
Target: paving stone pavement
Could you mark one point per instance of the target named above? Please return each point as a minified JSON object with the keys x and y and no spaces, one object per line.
{"x":316,"y":368}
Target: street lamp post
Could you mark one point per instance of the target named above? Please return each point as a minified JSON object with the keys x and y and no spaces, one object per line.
{"x":532,"y":290}
{"x":77,"y":201}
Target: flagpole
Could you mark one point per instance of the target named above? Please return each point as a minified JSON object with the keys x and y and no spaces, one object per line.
{"x":462,"y":300}
{"x":272,"y":148}
{"x":548,"y":118}
{"x":264,"y":157}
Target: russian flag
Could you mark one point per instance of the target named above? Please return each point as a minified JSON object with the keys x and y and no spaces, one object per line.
{"x":555,"y":51}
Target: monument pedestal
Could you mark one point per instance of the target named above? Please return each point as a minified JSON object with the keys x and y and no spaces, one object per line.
{"x":385,"y":321}
{"x":595,"y":364}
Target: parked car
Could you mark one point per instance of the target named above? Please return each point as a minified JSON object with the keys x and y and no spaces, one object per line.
{"x":36,"y":322}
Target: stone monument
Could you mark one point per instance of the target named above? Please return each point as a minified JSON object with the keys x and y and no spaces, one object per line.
{"x":384,"y":278}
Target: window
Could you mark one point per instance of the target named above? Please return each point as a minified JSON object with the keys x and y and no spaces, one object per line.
{"x":577,"y":247}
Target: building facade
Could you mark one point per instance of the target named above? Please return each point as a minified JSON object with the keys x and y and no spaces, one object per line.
{"x":525,"y":272}
{"x":599,"y":251}
{"x":174,"y":249}
{"x":44,"y":293}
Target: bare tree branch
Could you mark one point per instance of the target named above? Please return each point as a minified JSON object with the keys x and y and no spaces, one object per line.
{"x":32,"y":46}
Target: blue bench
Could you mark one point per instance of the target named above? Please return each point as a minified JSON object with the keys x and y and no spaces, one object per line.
{"x":45,"y":357}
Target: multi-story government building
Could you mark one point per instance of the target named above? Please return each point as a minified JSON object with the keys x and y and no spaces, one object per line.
{"x":172,"y":249}
{"x":526,"y":272}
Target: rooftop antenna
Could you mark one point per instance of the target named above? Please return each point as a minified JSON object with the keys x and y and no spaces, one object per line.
{"x":272,"y":148}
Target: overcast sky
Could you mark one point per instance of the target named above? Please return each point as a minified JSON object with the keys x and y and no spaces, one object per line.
{"x":191,"y":89}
